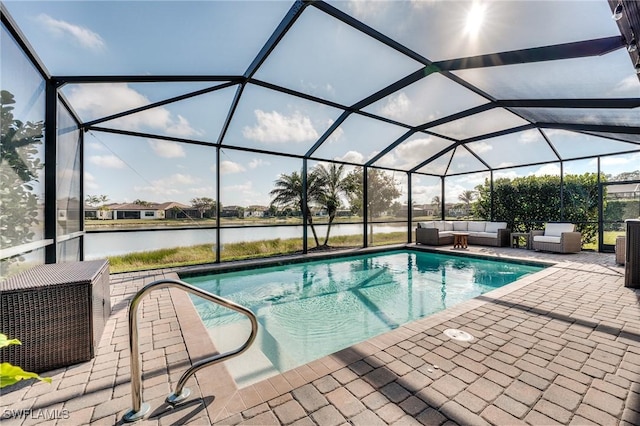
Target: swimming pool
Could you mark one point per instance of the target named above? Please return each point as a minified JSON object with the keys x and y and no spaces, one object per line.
{"x":312,"y":309}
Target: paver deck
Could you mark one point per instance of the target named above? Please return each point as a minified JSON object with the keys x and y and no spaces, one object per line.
{"x":558,"y":347}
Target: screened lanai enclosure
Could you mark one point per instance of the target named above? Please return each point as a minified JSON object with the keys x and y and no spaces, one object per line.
{"x":135,"y":126}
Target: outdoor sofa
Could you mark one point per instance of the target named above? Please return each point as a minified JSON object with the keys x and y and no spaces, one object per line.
{"x":557,"y":238}
{"x":483,"y":233}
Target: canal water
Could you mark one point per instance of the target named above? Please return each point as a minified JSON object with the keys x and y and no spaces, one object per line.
{"x":101,"y":244}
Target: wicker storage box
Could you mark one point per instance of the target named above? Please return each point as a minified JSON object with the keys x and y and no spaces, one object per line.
{"x":58,"y":312}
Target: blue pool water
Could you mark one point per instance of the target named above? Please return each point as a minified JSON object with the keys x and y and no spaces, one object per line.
{"x":308,"y":310}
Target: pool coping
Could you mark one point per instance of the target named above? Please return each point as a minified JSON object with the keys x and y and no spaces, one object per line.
{"x":216,"y":379}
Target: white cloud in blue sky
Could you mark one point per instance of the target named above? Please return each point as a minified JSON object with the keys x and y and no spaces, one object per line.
{"x":77,"y":34}
{"x":107,"y":161}
{"x":276,"y":127}
{"x":319,"y":56}
{"x":167,"y":149}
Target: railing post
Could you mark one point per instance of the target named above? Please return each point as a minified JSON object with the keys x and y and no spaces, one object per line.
{"x":140,"y":409}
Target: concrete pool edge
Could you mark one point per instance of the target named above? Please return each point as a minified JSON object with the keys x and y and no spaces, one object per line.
{"x":216,"y":380}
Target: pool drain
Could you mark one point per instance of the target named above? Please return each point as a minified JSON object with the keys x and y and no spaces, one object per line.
{"x":459,"y":335}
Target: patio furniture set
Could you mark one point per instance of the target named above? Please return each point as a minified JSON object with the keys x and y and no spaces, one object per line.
{"x":556,"y":237}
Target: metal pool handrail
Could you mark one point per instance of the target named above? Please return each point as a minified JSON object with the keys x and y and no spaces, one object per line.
{"x":140,"y":409}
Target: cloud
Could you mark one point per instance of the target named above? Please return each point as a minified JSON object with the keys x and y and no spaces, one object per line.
{"x":157,"y":190}
{"x":168,"y":185}
{"x":275,"y":127}
{"x":181,"y":127}
{"x":202,"y":191}
{"x":619,"y":160}
{"x":481,"y":147}
{"x":166,"y":149}
{"x":90,"y":181}
{"x":257,"y":162}
{"x":176,"y":179}
{"x":104,"y":99}
{"x":529,"y":136}
{"x":107,"y":161}
{"x":508,"y":174}
{"x":397,"y":106}
{"x":414,"y":149}
{"x":387,"y":160}
{"x":627,"y":85}
{"x":229,"y":167}
{"x":548,"y":169}
{"x":351,"y":157}
{"x":96,"y":146}
{"x":244,"y":187}
{"x":364,"y":9}
{"x":80,"y":35}
{"x":336,"y":135}
{"x":506,"y":164}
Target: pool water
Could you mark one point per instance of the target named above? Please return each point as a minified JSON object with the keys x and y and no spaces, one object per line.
{"x":312,"y":309}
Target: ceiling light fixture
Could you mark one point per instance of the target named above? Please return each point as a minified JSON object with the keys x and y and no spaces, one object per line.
{"x":617,"y":12}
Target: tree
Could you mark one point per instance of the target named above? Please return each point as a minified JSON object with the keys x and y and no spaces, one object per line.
{"x":381,"y":192}
{"x":95,"y":200}
{"x":288,"y":193}
{"x":467,"y":196}
{"x":436,"y":202}
{"x":527,"y":202}
{"x":19,"y":168}
{"x":203,"y":204}
{"x":635,"y":175}
{"x":333,"y":184}
{"x":142,"y":202}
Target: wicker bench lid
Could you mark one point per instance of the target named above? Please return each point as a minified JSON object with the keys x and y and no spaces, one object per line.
{"x":54,"y":274}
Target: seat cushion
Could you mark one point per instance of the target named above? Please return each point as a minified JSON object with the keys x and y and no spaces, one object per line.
{"x":460,"y":225}
{"x":556,"y":229}
{"x":439,"y":225}
{"x":444,"y":233}
{"x":494,"y":226}
{"x":484,"y":234}
{"x":546,"y":239}
{"x":448,"y":226}
{"x":426,"y":224}
{"x":476,"y":226}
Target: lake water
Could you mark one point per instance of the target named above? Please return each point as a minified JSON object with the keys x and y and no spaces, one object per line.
{"x":100,"y":244}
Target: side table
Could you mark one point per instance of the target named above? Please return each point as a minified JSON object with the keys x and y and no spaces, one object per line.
{"x":460,"y":239}
{"x":515,"y":240}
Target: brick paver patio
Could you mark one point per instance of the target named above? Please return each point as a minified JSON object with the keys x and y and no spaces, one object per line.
{"x":558,"y":347}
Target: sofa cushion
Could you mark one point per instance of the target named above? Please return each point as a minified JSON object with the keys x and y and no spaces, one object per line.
{"x":448,"y":226}
{"x":426,"y":225}
{"x":546,"y":239}
{"x":439,"y":225}
{"x":556,"y":229}
{"x":484,"y":234}
{"x":444,"y":233}
{"x":476,"y":226}
{"x":494,"y":226}
{"x":460,"y":225}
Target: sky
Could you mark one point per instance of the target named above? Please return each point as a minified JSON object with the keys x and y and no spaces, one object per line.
{"x":325,"y":58}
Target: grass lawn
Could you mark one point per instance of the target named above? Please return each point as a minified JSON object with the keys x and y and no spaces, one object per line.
{"x":609,"y":238}
{"x":200,"y":254}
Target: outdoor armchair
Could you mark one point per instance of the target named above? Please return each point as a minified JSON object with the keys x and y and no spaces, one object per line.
{"x":558,"y":238}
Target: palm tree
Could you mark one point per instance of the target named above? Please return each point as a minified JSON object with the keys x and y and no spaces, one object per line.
{"x":288,"y":192}
{"x":436,"y":202}
{"x":333,"y":182}
{"x":467,"y":196}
